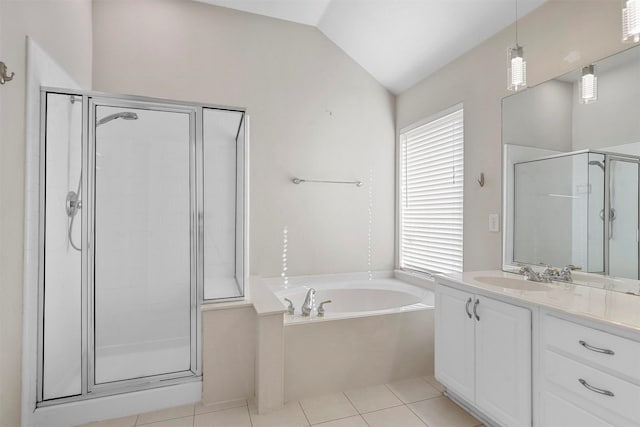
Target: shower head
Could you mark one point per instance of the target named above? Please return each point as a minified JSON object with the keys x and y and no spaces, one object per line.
{"x":125,"y":115}
{"x":597,"y":163}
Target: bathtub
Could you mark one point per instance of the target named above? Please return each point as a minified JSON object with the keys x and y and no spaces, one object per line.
{"x":373,"y":332}
{"x":352,"y":298}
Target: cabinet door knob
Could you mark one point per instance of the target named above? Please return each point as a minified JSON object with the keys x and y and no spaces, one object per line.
{"x":466,"y":307}
{"x":475,"y":309}
{"x":595,"y":389}
{"x":596,"y":349}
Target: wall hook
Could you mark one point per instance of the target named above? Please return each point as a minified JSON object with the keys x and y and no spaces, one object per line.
{"x":4,"y":77}
{"x":481,"y":180}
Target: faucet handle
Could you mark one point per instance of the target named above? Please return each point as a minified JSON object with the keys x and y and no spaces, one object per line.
{"x":321,"y":307}
{"x":525,"y":269}
{"x":291,"y":309}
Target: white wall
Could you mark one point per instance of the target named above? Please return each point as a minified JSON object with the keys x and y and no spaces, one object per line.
{"x":314,"y":112}
{"x":552,"y":35}
{"x":63,"y":28}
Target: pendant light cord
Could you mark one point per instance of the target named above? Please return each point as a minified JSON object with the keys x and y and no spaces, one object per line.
{"x":517,"y":23}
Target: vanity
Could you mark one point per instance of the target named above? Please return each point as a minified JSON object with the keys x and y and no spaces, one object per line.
{"x":520,"y":353}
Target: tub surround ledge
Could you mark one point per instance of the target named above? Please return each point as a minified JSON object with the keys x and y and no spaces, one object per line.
{"x":257,"y":295}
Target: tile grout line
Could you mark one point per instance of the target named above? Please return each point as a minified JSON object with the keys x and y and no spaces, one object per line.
{"x":384,"y":409}
{"x":392,"y":392}
{"x":436,"y":386}
{"x":304,"y":413}
{"x":354,"y":407}
{"x":337,"y":419}
{"x":351,"y":402}
{"x":416,"y":414}
{"x":249,"y":413}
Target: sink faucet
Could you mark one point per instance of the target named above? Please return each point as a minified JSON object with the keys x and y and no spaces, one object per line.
{"x":565,"y":274}
{"x":309,"y":302}
{"x":532,"y":276}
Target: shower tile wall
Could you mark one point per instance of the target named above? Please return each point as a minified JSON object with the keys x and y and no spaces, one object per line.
{"x":142,"y":233}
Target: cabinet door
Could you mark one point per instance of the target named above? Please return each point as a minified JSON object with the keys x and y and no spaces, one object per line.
{"x":503,"y":361}
{"x":454,"y":341}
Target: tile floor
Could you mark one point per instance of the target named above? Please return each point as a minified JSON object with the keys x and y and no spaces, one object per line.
{"x":407,"y":403}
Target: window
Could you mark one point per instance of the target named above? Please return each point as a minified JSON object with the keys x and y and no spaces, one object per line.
{"x":431,"y":190}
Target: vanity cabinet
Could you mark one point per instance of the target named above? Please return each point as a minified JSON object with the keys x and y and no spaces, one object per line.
{"x":483,"y":354}
{"x":589,"y":377}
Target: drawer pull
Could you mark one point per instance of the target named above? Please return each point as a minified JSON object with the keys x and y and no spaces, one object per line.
{"x":475,"y":309}
{"x":595,"y":389}
{"x":596,"y":349}
{"x":466,"y":308}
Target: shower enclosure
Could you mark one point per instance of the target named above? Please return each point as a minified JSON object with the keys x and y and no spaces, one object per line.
{"x":579,"y":208}
{"x":142,"y":219}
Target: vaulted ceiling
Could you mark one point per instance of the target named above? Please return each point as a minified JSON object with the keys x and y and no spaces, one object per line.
{"x":399,"y":42}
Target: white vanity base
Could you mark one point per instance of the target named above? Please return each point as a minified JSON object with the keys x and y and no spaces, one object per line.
{"x":584,"y":345}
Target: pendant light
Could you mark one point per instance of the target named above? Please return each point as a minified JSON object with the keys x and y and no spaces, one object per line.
{"x":588,"y":85}
{"x":517,"y":71}
{"x":631,"y":21}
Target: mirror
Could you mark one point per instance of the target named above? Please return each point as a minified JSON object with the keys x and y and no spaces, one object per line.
{"x":571,"y":159}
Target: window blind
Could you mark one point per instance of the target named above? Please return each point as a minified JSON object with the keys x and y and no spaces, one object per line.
{"x":431,"y":195}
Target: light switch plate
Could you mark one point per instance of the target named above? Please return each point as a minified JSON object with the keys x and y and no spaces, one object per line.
{"x":494,"y":223}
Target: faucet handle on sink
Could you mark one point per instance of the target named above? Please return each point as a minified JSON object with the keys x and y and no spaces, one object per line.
{"x":525,"y":269}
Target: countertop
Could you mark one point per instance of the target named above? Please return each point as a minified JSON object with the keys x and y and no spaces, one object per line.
{"x":611,"y":307}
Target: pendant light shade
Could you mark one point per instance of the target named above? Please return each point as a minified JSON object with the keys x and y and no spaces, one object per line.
{"x":517,"y":74}
{"x":517,"y":66}
{"x":631,"y":21}
{"x":588,"y":85}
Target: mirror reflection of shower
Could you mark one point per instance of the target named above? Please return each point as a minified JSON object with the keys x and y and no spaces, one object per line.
{"x":73,"y":197}
{"x":612,"y":211}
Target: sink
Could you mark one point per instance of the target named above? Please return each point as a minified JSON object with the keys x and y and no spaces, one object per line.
{"x":506,"y":282}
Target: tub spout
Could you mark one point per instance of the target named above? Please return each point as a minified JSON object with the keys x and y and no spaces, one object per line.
{"x":309,"y":302}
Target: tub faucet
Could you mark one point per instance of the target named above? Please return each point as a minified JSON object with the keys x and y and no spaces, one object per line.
{"x":291,"y":309}
{"x":309,"y":302}
{"x":321,"y":307}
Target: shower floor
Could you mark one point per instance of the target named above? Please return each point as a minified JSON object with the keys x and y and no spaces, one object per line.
{"x":145,"y":359}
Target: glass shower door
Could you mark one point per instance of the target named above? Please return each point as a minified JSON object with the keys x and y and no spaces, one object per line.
{"x":623,"y":218}
{"x":143,"y":272}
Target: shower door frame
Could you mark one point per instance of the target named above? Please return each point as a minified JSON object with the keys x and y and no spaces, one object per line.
{"x":89,"y":389}
{"x":608,"y":158}
{"x":195,"y":203}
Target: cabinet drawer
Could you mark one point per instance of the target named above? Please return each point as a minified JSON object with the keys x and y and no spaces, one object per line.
{"x":602,"y":348}
{"x":623,"y":398}
{"x":560,"y":412}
